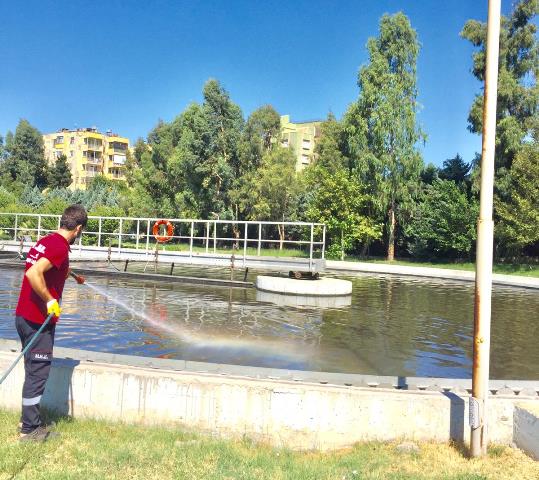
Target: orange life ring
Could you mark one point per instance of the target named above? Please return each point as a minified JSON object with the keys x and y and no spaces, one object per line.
{"x":163,"y":238}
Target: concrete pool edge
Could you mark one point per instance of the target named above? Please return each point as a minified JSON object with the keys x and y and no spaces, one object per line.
{"x":333,"y":266}
{"x":283,"y":408}
{"x":428,"y":272}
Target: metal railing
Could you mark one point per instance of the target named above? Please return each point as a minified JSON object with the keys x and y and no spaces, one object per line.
{"x":191,"y":237}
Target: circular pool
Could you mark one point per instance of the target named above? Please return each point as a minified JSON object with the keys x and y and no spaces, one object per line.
{"x":392,"y":326}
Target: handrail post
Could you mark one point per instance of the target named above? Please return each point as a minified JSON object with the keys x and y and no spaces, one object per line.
{"x":311,"y":248}
{"x":214,"y":236}
{"x":147,"y":236}
{"x":324,"y":242}
{"x":120,"y":235}
{"x":191,"y":240}
{"x":16,"y":226}
{"x":246,"y":225}
{"x":138,"y":233}
{"x":99,"y":233}
{"x":207,"y":236}
{"x":259,"y":238}
{"x":39,"y":227}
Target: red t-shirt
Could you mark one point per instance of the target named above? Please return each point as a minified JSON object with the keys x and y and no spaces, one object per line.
{"x":55,"y":249}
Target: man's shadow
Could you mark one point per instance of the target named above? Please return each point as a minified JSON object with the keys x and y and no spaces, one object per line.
{"x":457,"y":411}
{"x":57,"y":401}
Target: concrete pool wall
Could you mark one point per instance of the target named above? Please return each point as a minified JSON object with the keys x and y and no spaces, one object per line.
{"x":298,"y":410}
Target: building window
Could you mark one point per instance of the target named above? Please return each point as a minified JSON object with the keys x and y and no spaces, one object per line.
{"x":71,"y":153}
{"x":306,"y":144}
{"x":72,"y":141}
{"x":305,"y":159}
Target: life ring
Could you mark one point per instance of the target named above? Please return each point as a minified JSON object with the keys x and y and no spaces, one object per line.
{"x":163,"y":238}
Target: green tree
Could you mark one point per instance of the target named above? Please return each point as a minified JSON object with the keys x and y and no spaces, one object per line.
{"x":443,"y":222}
{"x":26,"y":161}
{"x":60,"y":173}
{"x":262,"y":131}
{"x":134,"y":161}
{"x":159,"y":179}
{"x":342,"y":204}
{"x":429,"y":174}
{"x":222,"y":163}
{"x":518,"y":95}
{"x":330,"y":146}
{"x":455,"y":169}
{"x":519,"y":215}
{"x":271,"y":192}
{"x":381,"y":126}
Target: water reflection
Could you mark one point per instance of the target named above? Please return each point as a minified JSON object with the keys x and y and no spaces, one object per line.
{"x":303,"y":300}
{"x":393,"y":326}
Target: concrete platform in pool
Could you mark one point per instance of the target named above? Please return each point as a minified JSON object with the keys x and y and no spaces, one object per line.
{"x":321,"y":287}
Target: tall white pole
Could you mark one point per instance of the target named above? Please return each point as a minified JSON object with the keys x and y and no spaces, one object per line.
{"x":485,"y":240}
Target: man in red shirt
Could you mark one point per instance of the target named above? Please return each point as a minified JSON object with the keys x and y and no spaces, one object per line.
{"x":47,"y":267}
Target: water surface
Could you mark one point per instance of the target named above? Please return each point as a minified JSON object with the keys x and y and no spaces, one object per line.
{"x":393,"y":326}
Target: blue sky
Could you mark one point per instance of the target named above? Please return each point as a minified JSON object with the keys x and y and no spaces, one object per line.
{"x":122,"y":65}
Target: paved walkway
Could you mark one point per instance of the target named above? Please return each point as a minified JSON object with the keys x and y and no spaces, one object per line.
{"x":462,"y":275}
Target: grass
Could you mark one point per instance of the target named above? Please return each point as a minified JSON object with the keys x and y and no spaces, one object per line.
{"x":97,"y":450}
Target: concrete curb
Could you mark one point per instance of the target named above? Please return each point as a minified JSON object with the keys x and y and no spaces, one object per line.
{"x":148,"y":276}
{"x":526,"y":428}
{"x":229,"y":401}
{"x":459,"y":275}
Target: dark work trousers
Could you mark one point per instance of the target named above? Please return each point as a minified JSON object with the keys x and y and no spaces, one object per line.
{"x":37,"y":365}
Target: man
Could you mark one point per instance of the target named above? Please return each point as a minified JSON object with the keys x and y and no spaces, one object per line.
{"x":47,"y":267}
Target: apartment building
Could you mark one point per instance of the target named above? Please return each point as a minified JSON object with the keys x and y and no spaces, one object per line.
{"x":89,"y":153}
{"x":302,"y":137}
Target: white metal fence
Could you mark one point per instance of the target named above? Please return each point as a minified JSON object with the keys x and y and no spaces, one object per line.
{"x":191,"y":237}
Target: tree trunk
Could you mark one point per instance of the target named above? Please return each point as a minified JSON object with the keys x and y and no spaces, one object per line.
{"x":365,"y":249}
{"x":391,"y":240}
{"x":281,"y":236}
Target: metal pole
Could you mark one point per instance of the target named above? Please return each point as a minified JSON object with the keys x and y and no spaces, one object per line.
{"x":485,"y":235}
{"x":138,"y":233}
{"x":39,"y":227}
{"x":246,"y":225}
{"x":120,"y":235}
{"x":99,"y":234}
{"x":214,"y":235}
{"x":259,"y":238}
{"x":207,"y":236}
{"x":191,"y":240}
{"x":324,"y":242}
{"x":16,"y":225}
{"x":311,"y":249}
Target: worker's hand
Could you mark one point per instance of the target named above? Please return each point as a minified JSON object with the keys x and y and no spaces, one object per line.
{"x":79,"y":279}
{"x":54,"y":307}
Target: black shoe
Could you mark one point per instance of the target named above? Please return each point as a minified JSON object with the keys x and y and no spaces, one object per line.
{"x":50,"y":425}
{"x":40,"y":434}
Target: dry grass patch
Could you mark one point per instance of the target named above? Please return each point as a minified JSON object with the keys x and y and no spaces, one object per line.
{"x":98,"y":450}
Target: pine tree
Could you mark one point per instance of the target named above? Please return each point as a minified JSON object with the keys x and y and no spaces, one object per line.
{"x":60,"y":173}
{"x":26,"y":160}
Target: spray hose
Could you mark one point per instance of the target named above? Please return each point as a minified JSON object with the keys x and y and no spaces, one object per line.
{"x":30,"y":343}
